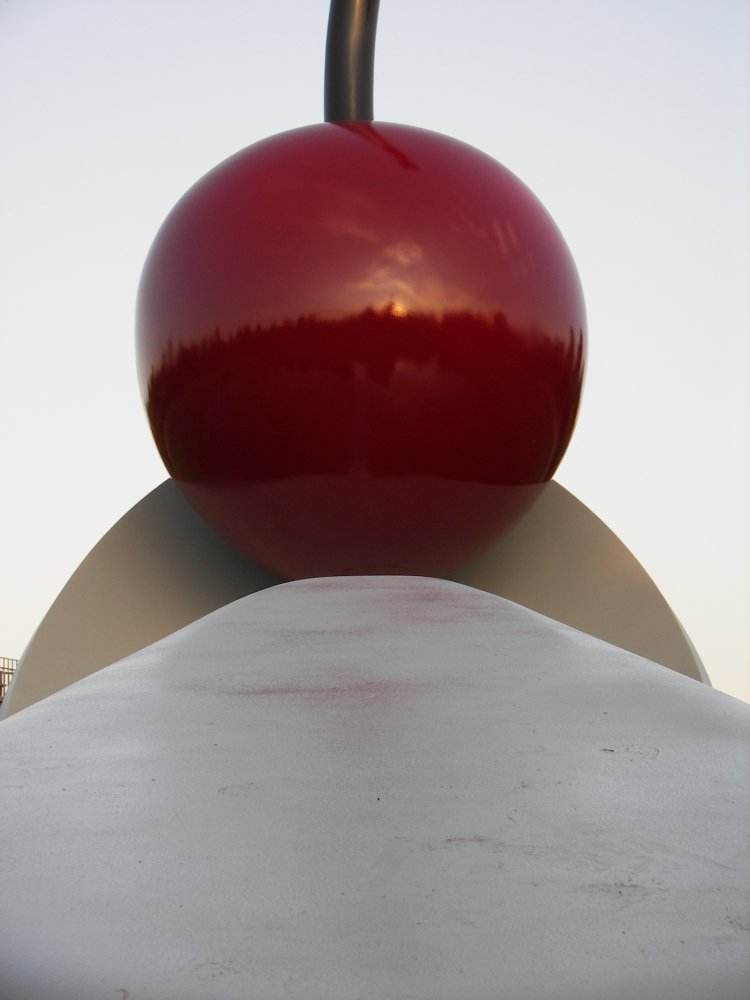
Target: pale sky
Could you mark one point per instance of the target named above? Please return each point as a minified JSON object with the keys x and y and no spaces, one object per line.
{"x":629,"y":119}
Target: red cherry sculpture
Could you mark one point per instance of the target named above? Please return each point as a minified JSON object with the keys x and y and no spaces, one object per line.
{"x":361,"y":349}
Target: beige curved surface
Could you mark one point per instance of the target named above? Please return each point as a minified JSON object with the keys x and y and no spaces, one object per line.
{"x":564,"y":562}
{"x":161,"y":567}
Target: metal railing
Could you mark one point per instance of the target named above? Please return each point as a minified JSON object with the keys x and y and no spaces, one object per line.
{"x":7,"y":669}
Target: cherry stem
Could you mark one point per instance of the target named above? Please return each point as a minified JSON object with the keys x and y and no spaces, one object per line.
{"x":350,"y":60}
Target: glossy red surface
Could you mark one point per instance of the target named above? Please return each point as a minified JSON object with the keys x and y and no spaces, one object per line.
{"x":361,"y":349}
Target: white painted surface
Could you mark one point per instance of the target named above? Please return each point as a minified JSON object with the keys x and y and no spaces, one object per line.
{"x":161,"y":567}
{"x":377,"y":788}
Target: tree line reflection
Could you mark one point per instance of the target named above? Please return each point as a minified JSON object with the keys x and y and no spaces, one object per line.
{"x":462,"y":396}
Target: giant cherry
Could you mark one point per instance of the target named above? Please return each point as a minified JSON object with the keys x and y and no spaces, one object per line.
{"x":360,"y":345}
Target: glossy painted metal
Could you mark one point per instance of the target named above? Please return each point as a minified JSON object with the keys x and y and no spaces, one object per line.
{"x":361,"y":349}
{"x":350,"y":60}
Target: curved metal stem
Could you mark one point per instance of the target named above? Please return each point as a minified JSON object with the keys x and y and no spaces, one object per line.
{"x":350,"y":60}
